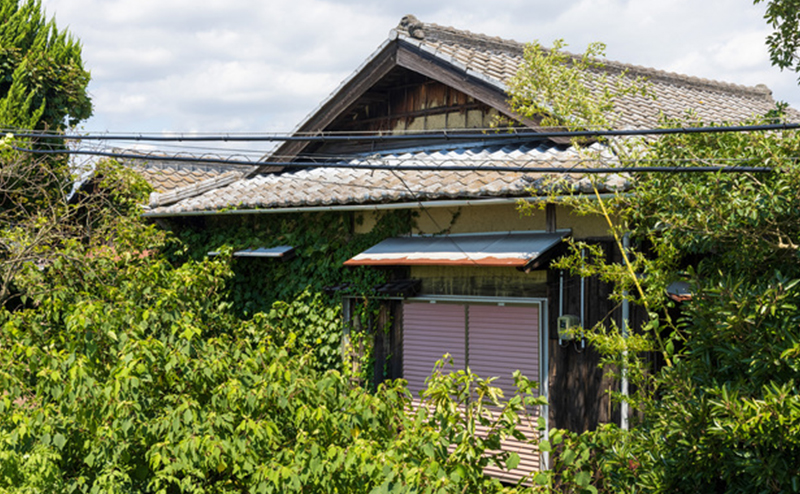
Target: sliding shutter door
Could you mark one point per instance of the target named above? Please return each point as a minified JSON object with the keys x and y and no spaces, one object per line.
{"x":503,"y":339}
{"x":430,"y":331}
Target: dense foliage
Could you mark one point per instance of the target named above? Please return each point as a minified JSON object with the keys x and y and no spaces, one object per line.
{"x":126,"y":369}
{"x":322,"y":242}
{"x":42,"y":79}
{"x":723,"y":413}
{"x":720,"y":412}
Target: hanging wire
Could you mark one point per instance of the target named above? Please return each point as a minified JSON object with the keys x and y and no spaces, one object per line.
{"x":371,"y":136}
{"x":77,"y":147}
{"x":407,"y":165}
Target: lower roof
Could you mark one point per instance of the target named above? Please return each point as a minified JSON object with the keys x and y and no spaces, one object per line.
{"x":409,"y":177}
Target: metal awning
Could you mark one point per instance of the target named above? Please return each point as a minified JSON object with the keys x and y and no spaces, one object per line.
{"x":513,"y":249}
{"x":281,"y":251}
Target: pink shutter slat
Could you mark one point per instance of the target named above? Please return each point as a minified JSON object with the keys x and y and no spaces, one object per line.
{"x":503,"y":339}
{"x":430,"y":331}
{"x":529,"y":456}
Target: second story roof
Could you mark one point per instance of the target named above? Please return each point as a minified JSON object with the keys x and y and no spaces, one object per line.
{"x":425,"y":78}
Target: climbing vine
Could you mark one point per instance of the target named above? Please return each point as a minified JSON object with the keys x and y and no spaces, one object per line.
{"x":322,"y":242}
{"x":309,"y":286}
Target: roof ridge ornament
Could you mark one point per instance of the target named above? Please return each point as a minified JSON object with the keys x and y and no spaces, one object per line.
{"x":413,"y":26}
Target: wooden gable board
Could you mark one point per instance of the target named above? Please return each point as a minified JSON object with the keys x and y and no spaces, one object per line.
{"x":396,"y":53}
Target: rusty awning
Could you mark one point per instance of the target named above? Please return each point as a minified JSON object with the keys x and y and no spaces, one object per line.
{"x":512,"y":249}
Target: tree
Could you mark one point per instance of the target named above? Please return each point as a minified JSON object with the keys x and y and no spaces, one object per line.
{"x":42,"y":79}
{"x":126,"y":367}
{"x":784,"y":42}
{"x":722,"y":414}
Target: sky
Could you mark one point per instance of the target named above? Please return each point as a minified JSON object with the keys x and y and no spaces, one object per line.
{"x":232,"y":66}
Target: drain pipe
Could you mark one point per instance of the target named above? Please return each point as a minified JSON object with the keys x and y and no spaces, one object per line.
{"x":583,"y":303}
{"x":623,"y":409}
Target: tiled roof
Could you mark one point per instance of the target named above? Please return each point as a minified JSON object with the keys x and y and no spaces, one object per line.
{"x":496,"y":60}
{"x":337,"y":186}
{"x":166,"y":176}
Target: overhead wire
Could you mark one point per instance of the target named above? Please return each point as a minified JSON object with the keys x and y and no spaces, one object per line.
{"x":465,"y":134}
{"x":357,"y":161}
{"x":409,"y":167}
{"x":427,"y":211}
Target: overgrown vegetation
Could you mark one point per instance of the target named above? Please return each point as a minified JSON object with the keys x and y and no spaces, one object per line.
{"x":42,"y":79}
{"x":124,"y":368}
{"x":322,"y":242}
{"x":131,"y":362}
{"x":721,"y":414}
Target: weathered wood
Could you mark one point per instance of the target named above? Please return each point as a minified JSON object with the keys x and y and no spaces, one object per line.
{"x":412,"y":58}
{"x":450,"y":76}
{"x":579,"y":398}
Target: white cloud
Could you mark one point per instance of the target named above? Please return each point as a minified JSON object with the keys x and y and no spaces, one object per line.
{"x":746,"y":51}
{"x":234,"y":65}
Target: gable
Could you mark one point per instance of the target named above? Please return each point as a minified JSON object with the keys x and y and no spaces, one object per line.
{"x":420,"y":74}
{"x":404,"y":102}
{"x":396,"y":90}
{"x":427,"y":78}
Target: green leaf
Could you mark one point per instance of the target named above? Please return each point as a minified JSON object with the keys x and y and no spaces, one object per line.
{"x":59,"y":440}
{"x":567,"y":456}
{"x":583,"y":479}
{"x":544,"y":446}
{"x":513,"y":460}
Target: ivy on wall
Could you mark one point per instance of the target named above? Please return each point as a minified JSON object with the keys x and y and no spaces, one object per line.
{"x":300,"y":288}
{"x":322,"y":243}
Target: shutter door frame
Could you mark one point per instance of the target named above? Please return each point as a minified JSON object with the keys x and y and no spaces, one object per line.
{"x":540,"y":366}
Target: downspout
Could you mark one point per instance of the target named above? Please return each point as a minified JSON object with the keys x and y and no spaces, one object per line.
{"x":623,"y":409}
{"x":583,"y":302}
{"x":544,"y":379}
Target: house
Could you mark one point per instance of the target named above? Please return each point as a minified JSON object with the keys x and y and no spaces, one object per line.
{"x":472,"y":278}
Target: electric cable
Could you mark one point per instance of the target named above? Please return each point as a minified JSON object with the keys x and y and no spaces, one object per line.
{"x":411,"y":167}
{"x":466,"y":134}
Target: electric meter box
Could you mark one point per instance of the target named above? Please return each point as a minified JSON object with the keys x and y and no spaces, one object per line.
{"x":567,"y":323}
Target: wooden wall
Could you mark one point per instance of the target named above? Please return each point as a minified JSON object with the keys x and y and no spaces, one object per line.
{"x":579,"y":398}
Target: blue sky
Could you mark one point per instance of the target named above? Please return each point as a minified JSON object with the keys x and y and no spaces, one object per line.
{"x":262,"y":66}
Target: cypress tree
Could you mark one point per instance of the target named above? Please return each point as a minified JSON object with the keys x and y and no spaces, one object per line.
{"x":42,"y":79}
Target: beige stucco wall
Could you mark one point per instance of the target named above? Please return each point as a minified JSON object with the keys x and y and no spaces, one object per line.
{"x":495,"y":218}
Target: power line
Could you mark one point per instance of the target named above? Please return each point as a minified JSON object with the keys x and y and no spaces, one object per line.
{"x":411,"y":167}
{"x":461,"y":135}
